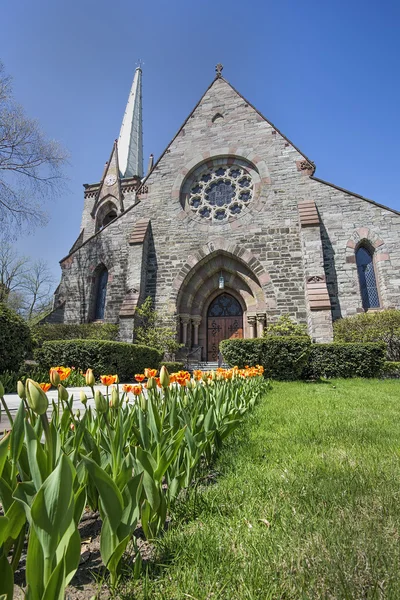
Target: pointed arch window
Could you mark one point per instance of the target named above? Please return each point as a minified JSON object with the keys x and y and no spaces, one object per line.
{"x":367,"y":278}
{"x":101,"y":294}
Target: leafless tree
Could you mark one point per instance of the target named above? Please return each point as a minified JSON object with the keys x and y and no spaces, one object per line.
{"x":13,"y":269}
{"x":37,"y":285}
{"x":25,"y":285}
{"x":30,"y":165}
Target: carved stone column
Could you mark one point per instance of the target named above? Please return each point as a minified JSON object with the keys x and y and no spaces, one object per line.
{"x":251,"y":319}
{"x":196,"y":320}
{"x":260,"y":324}
{"x":185,"y":322}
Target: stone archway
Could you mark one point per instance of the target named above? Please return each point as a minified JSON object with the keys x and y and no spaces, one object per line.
{"x":201,"y":285}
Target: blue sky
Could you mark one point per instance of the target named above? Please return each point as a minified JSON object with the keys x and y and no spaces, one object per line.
{"x":325,"y":73}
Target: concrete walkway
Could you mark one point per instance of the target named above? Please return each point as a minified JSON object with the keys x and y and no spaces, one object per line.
{"x":13,"y":401}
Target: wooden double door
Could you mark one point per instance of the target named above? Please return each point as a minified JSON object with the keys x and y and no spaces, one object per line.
{"x":224,"y":321}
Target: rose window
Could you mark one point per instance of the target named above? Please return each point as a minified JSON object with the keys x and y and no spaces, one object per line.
{"x":220,"y":192}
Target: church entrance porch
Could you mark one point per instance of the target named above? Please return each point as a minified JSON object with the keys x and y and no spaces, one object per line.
{"x":220,"y":297}
{"x":224,"y":321}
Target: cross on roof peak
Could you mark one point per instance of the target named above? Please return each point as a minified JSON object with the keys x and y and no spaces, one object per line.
{"x":218,"y":69}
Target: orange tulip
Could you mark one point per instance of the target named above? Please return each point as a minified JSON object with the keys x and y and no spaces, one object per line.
{"x":45,"y":386}
{"x":137,"y":389}
{"x":108,"y":380}
{"x":150,"y":373}
{"x":140,"y":377}
{"x":64,"y":372}
{"x":127,"y":388}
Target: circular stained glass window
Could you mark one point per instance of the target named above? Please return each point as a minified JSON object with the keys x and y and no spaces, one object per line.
{"x":220,"y":192}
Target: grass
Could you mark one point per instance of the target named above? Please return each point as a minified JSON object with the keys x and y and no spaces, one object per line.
{"x":306,"y":504}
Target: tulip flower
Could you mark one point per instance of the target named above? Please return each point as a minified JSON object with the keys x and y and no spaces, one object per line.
{"x":89,"y":378}
{"x":151,"y":383}
{"x":21,"y":390}
{"x":164,"y":377}
{"x":62,"y":392}
{"x":100,"y":402}
{"x":83,"y":397}
{"x":54,"y":377}
{"x":150,"y":373}
{"x":115,"y":401}
{"x":37,"y":399}
{"x":140,"y":377}
{"x":108,"y":380}
{"x":45,"y":386}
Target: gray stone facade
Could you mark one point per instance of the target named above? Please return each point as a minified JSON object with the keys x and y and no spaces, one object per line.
{"x":275,"y":257}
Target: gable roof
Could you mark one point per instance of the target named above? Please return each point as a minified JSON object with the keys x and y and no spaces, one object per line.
{"x":216,"y":78}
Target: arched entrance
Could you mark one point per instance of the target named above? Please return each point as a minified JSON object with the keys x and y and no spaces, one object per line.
{"x":224,"y":321}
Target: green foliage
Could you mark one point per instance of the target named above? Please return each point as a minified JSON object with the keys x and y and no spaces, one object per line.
{"x":391,"y":370}
{"x":129,"y":461}
{"x":150,"y":330}
{"x":283,"y":357}
{"x":285,"y":326}
{"x":15,"y":339}
{"x":173,"y":367}
{"x":63,"y":331}
{"x":345,"y":360}
{"x":379,"y":326}
{"x":104,"y":357}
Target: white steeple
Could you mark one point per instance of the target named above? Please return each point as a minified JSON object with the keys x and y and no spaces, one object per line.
{"x":130,"y":141}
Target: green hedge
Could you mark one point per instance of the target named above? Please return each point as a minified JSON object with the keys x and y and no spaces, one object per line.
{"x":282,"y":357}
{"x":104,"y":357}
{"x":346,"y":360}
{"x":294,"y":357}
{"x":391,"y":370}
{"x":68,"y":331}
{"x":15,"y":339}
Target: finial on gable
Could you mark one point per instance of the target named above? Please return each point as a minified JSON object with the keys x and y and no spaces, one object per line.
{"x":218,"y":69}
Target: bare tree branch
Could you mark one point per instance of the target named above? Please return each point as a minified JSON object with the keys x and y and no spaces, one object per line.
{"x":30,"y":165}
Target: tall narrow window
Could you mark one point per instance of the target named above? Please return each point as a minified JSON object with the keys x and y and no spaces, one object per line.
{"x":366,"y":276}
{"x":101,"y":293}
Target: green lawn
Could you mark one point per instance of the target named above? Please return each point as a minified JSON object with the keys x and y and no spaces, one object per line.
{"x":306,"y":504}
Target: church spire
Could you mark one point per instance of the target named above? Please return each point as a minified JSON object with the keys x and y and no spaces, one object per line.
{"x":130,"y":141}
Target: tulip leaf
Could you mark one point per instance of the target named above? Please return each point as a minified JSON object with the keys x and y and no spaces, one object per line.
{"x":115,"y":558}
{"x":144,"y":432}
{"x":69,"y":551}
{"x":151,"y":490}
{"x":56,"y":585}
{"x":6,"y":579}
{"x":13,"y":522}
{"x":17,"y":433}
{"x":36,"y":456}
{"x":110,"y":496}
{"x":108,"y":541}
{"x":169,"y":455}
{"x":145,"y":519}
{"x":4,"y":443}
{"x":5,"y":495}
{"x":52,"y":508}
{"x":34,"y":568}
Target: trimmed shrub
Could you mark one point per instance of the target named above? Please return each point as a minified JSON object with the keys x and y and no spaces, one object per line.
{"x":15,"y":339}
{"x":67,"y":331}
{"x":391,"y":370}
{"x":379,"y":326}
{"x":283,"y":357}
{"x":345,"y":360}
{"x":173,"y":367}
{"x":104,"y":357}
{"x":285,"y":326}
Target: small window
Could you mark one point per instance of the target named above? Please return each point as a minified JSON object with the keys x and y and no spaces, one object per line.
{"x":101,"y":293}
{"x":366,"y":276}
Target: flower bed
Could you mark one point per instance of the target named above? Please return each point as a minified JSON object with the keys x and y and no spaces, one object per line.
{"x":129,"y":458}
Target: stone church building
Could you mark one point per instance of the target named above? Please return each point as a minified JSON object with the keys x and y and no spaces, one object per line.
{"x":227,"y":231}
